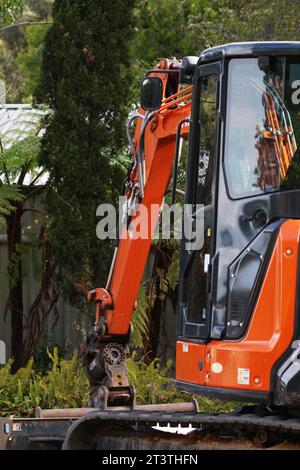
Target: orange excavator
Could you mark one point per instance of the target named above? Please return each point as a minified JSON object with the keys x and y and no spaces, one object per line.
{"x":237,"y":105}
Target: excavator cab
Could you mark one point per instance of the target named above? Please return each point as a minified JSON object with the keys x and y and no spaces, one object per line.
{"x":239,"y":318}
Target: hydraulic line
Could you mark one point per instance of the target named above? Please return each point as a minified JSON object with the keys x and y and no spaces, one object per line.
{"x":130,"y":120}
{"x":176,"y":158}
{"x":141,"y":153}
{"x":138,"y":156}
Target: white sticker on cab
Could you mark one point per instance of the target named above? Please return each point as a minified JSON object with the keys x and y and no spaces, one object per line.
{"x":243,"y":376}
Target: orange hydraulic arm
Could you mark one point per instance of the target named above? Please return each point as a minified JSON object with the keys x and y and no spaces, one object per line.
{"x":148,"y":184}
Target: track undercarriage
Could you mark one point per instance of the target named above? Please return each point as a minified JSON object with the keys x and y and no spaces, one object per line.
{"x":116,"y":422}
{"x":135,"y":429}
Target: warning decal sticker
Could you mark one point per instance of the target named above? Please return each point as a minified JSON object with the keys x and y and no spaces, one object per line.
{"x":243,"y":376}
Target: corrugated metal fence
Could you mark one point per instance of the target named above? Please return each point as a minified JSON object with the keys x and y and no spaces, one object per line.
{"x":69,"y":328}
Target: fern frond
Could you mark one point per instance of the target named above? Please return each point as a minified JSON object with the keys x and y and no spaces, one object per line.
{"x":140,"y":319}
{"x":22,"y":152}
{"x":8,"y":195}
{"x":20,"y":136}
{"x":172,"y":275}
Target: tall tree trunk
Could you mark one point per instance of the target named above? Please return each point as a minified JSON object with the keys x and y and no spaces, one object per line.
{"x":154,"y":329}
{"x":15,"y":299}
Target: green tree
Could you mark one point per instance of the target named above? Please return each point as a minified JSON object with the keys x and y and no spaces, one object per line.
{"x":29,"y":61}
{"x":222,"y":21}
{"x":21,"y":41}
{"x":167,"y":28}
{"x":161,"y":29}
{"x":10,"y":9}
{"x":86,"y":80}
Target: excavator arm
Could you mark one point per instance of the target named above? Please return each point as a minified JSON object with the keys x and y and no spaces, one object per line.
{"x":156,"y":137}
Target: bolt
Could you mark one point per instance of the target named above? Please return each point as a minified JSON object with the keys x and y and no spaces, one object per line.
{"x":289,"y":251}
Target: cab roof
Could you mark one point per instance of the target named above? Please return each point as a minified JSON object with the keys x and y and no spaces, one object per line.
{"x":250,"y":49}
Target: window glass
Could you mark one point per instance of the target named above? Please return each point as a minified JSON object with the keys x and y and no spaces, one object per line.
{"x":208,"y":96}
{"x":262,"y":125}
{"x":197,"y":273}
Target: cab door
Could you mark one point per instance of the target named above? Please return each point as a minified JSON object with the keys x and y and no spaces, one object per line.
{"x":195,"y":263}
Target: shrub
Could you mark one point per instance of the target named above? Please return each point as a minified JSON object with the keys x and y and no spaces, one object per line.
{"x":153,"y":383}
{"x":65,"y":385}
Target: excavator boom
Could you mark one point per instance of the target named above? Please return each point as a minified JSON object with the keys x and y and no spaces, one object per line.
{"x":157,"y":135}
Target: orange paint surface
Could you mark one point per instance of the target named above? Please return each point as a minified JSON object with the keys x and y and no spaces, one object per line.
{"x":269,"y":334}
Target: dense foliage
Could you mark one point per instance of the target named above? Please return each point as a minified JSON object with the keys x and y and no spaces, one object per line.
{"x":10,"y":9}
{"x":176,"y":28}
{"x":22,"y":29}
{"x":163,"y":28}
{"x":64,"y":385}
{"x":86,"y":80}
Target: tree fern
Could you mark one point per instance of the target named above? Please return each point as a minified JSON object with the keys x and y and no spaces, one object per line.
{"x":20,"y":136}
{"x":22,"y":153}
{"x":163,"y":280}
{"x":140,"y":318}
{"x":19,"y":145}
{"x":20,"y":131}
{"x":8,"y":194}
{"x":172,"y":274}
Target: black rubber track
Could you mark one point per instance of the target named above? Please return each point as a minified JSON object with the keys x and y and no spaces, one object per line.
{"x":85,"y":430}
